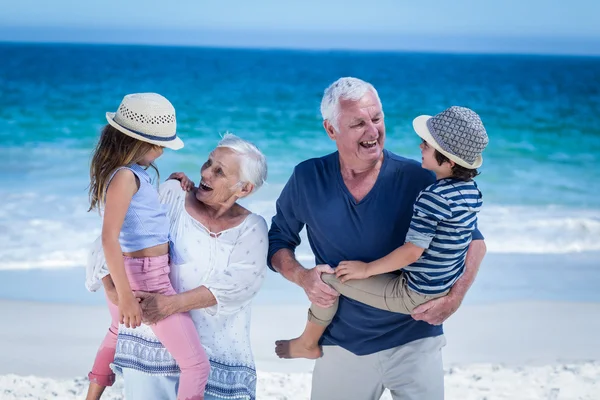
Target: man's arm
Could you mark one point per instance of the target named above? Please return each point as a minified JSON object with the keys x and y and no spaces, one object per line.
{"x":284,"y":237}
{"x":436,"y":311}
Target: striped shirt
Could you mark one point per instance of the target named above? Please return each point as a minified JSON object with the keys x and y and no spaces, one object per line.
{"x":444,"y":216}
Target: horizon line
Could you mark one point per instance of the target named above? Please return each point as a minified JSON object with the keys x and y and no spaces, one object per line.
{"x":376,"y":42}
{"x":304,"y":49}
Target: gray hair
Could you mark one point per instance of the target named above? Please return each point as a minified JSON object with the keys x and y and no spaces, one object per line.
{"x":347,"y":88}
{"x":253,"y":163}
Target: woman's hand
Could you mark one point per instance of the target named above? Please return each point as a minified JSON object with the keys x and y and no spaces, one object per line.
{"x":347,"y":270}
{"x":130,"y":312}
{"x":155,"y":306}
{"x":186,"y":183}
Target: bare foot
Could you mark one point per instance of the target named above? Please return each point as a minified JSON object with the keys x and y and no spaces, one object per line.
{"x":297,"y":348}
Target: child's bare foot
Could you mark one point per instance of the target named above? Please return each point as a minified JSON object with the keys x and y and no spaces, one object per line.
{"x":297,"y":348}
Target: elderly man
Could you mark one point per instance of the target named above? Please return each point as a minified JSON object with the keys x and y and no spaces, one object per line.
{"x":357,"y":204}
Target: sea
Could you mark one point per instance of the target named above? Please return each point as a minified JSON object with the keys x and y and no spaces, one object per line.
{"x":540,"y":179}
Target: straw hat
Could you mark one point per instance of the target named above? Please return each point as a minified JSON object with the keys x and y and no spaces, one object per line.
{"x":148,"y":117}
{"x":457,"y":133}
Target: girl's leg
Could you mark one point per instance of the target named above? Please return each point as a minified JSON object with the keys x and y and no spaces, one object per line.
{"x":101,"y":375}
{"x":179,"y":335}
{"x":176,"y":332}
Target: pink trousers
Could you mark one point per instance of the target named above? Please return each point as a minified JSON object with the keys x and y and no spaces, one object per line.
{"x":176,"y":332}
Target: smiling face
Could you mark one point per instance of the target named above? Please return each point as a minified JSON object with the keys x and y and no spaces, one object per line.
{"x":361,"y":132}
{"x":220,"y":178}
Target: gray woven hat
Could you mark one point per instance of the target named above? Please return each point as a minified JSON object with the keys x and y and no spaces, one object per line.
{"x":457,"y":133}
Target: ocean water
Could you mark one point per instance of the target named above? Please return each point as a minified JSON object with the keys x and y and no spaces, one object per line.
{"x":540,"y":179}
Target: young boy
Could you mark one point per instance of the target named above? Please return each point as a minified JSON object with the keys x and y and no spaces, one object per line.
{"x":433,"y":257}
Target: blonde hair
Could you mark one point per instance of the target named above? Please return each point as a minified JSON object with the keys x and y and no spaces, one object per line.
{"x":114,"y":150}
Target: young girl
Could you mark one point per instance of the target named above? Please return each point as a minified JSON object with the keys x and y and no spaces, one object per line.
{"x":135,"y":236}
{"x":433,"y":257}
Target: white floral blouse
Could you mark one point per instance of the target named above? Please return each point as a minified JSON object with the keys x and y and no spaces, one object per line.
{"x":232,"y":265}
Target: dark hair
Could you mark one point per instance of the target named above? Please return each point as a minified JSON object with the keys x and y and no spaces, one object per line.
{"x":458,"y":171}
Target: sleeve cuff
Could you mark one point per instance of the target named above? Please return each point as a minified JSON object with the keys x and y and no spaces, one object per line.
{"x":418,"y":239}
{"x":213,"y":310}
{"x":477,"y":235}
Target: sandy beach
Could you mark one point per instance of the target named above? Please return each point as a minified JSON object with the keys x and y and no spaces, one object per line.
{"x":520,"y":350}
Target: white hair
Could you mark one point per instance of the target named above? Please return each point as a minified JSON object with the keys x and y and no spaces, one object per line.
{"x":253,"y":163}
{"x":347,"y":88}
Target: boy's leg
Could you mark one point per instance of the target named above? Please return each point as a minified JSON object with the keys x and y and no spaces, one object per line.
{"x":307,"y":344}
{"x":386,"y":292}
{"x":322,"y":316}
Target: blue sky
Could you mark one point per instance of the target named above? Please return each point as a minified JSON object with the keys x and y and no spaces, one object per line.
{"x":479,"y":25}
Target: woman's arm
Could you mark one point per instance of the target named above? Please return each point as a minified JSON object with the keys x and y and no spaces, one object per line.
{"x":118,"y":197}
{"x":156,"y":307}
{"x":225,"y":292}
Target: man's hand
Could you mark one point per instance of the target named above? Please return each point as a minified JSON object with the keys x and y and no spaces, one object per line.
{"x":186,"y":183}
{"x":319,"y":292}
{"x":347,"y":270}
{"x":155,"y":306}
{"x":436,"y":311}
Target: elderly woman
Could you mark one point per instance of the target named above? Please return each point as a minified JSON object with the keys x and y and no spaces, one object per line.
{"x":223,"y":249}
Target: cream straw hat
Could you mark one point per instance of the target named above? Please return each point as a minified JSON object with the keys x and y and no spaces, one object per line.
{"x":148,"y":117}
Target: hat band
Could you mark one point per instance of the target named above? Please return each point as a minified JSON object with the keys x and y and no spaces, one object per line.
{"x":145,"y":135}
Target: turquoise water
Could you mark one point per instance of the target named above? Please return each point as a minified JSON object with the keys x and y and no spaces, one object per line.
{"x":540,"y":178}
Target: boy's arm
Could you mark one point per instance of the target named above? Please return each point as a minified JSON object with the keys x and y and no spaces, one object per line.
{"x":397,"y":259}
{"x":429,"y":209}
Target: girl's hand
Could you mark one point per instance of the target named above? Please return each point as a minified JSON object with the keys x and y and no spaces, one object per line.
{"x":186,"y":183}
{"x":130,"y":312}
{"x":347,"y":270}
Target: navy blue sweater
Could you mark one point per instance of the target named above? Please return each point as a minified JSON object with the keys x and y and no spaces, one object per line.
{"x":340,"y":229}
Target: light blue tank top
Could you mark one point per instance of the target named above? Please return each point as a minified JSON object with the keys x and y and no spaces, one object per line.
{"x":146,"y":223}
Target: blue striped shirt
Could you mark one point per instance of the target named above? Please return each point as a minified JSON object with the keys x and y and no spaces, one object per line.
{"x":444,"y":216}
